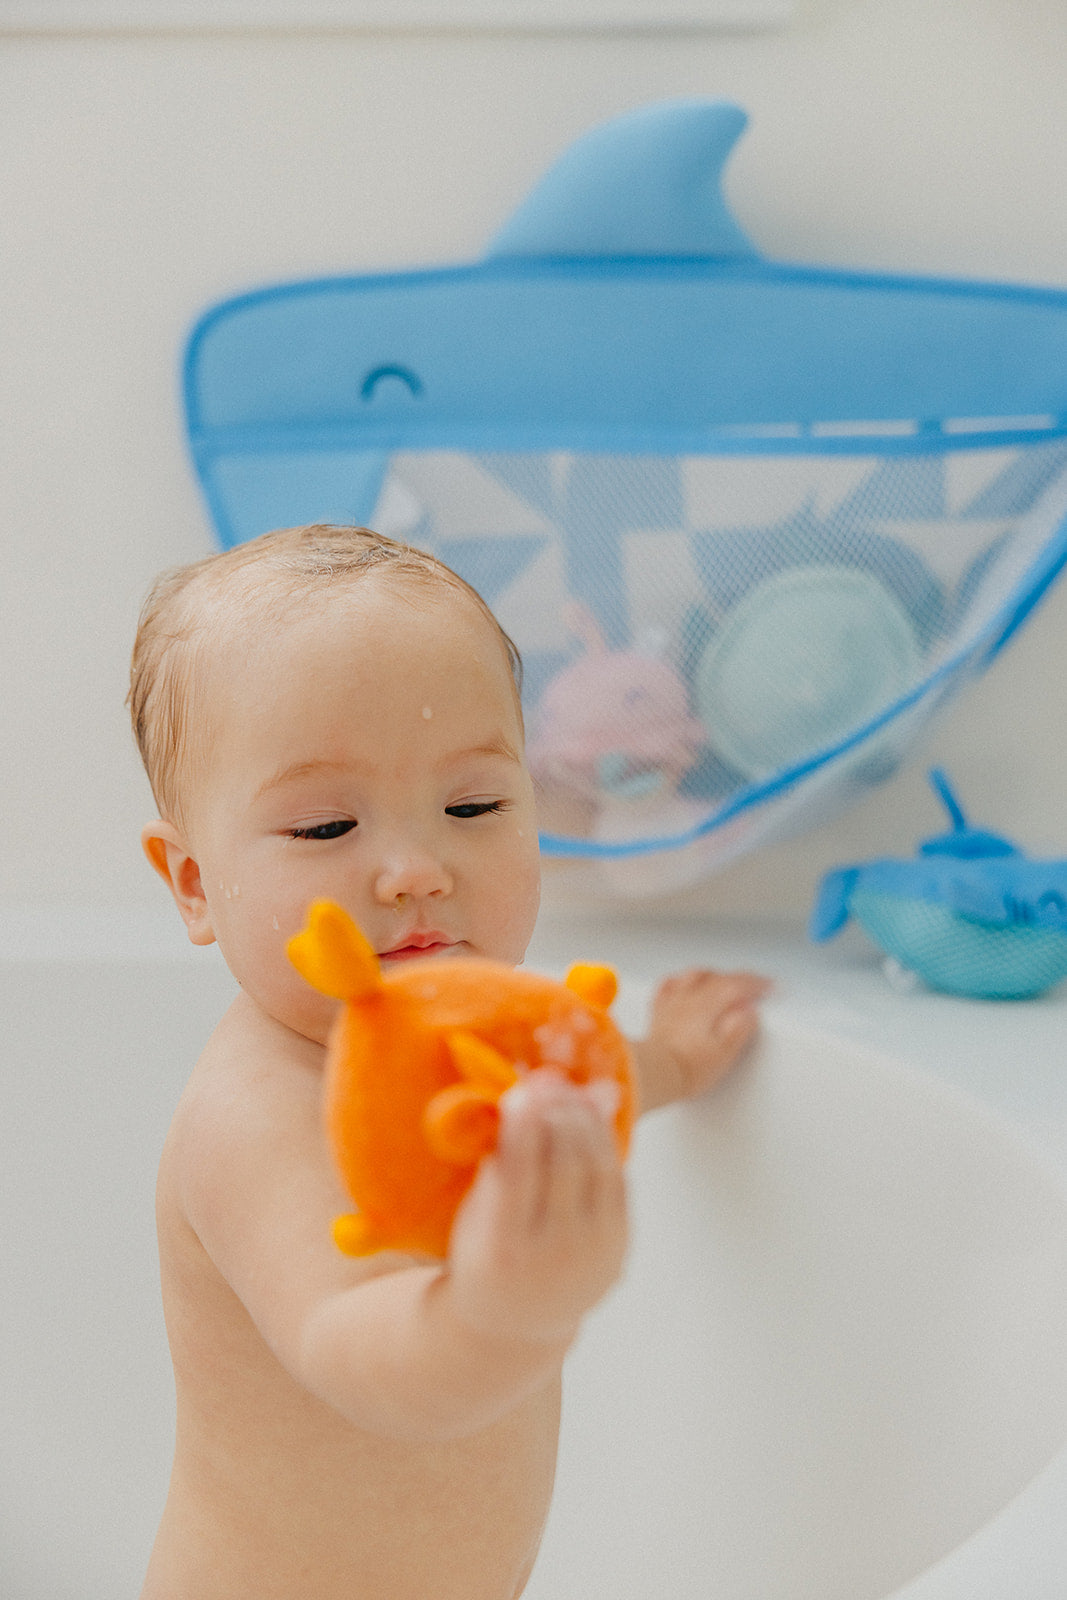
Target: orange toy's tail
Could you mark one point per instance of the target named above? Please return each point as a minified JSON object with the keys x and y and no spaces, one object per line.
{"x":333,"y":956}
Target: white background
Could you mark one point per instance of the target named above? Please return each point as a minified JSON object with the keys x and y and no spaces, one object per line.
{"x":143,"y":176}
{"x":497,"y":14}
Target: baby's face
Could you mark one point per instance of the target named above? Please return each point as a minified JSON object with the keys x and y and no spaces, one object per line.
{"x":368,"y":751}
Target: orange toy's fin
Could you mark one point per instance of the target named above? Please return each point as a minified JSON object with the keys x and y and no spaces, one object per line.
{"x":333,"y":956}
{"x":357,"y":1236}
{"x":597,"y":986}
{"x":479,"y":1062}
{"x":462,"y":1123}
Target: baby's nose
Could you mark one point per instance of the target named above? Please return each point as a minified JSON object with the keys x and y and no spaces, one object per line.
{"x":413,"y":872}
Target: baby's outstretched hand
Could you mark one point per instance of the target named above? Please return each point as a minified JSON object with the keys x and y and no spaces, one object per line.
{"x":701,"y":1022}
{"x":542,"y":1234}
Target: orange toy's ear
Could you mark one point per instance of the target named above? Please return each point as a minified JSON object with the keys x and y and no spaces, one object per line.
{"x":597,"y":986}
{"x":333,"y":956}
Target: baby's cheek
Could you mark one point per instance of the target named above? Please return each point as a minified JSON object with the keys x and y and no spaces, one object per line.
{"x":252,"y":935}
{"x":522,"y":907}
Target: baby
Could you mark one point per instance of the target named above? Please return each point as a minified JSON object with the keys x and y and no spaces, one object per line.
{"x":325,"y":713}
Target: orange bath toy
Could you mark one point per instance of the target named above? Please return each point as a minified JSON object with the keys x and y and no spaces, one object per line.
{"x":418,"y":1061}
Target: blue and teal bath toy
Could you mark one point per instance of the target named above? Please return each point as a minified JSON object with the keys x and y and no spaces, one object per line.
{"x":971,"y":915}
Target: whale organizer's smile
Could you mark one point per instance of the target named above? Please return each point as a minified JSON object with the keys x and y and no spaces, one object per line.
{"x":814,"y":501}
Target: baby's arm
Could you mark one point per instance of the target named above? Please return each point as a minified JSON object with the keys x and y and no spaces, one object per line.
{"x":701,"y":1022}
{"x":401,"y":1347}
{"x":538,"y":1241}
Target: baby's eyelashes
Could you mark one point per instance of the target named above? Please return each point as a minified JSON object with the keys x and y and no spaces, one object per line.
{"x":323,"y":830}
{"x":476,"y":808}
{"x":336,"y":827}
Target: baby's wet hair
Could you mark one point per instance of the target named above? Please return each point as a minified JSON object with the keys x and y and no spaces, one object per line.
{"x":190,"y":606}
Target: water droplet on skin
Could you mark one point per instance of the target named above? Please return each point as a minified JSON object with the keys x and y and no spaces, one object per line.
{"x":275,"y":924}
{"x":427,"y":712}
{"x":236,"y":890}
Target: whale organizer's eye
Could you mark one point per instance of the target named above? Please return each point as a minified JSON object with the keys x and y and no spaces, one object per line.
{"x":384,"y":380}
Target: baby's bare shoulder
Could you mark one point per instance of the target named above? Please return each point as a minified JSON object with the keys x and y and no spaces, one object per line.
{"x":246,"y":1145}
{"x":247,"y":1172}
{"x":255,"y":1085}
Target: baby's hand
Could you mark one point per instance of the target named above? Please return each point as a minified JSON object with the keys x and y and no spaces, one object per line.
{"x":701,"y":1022}
{"x":541,"y":1236}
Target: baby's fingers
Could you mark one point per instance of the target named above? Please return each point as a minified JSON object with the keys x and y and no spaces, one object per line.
{"x":734,"y":1028}
{"x":557,"y":1150}
{"x":719,"y":991}
{"x":520,"y":1156}
{"x":542,"y":1234}
{"x":582,"y":1164}
{"x":696,"y":1010}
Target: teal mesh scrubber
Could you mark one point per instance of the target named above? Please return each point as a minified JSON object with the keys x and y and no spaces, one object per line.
{"x":971,"y":915}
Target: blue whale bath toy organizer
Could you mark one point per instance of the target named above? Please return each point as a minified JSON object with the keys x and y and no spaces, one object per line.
{"x":750,"y":524}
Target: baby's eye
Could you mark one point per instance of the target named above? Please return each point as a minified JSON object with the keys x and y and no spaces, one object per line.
{"x":476,"y":808}
{"x":323,"y":830}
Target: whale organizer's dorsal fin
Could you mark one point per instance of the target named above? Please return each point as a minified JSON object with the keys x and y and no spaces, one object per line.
{"x":644,"y":184}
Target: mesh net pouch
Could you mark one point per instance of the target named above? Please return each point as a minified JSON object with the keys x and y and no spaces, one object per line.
{"x":719,"y":648}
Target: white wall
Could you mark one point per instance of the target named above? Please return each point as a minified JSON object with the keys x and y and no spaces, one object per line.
{"x":142,"y":177}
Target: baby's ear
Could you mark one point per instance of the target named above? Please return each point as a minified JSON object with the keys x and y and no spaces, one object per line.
{"x":168,"y":853}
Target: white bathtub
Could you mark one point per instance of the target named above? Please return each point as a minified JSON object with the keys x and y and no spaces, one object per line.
{"x":95,"y":1056}
{"x":835,"y":1370}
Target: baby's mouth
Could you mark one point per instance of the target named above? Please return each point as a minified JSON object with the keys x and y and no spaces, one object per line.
{"x":419,"y":946}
